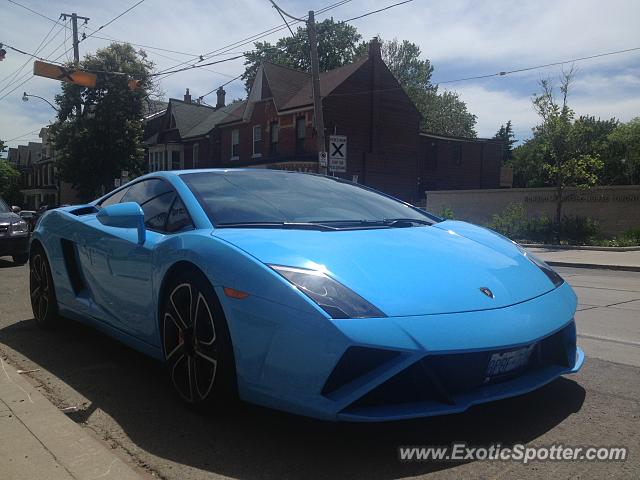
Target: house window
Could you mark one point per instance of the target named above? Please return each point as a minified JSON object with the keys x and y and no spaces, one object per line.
{"x":175,"y":160}
{"x":301,"y":132}
{"x":257,"y":140}
{"x":274,"y":132}
{"x":457,"y":154}
{"x":235,"y":144}
{"x":196,"y":154}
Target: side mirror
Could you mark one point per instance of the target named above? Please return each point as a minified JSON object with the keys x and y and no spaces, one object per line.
{"x":124,"y":215}
{"x":15,"y":209}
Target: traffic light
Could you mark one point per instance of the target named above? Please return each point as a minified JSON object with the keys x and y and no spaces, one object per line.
{"x":58,"y":72}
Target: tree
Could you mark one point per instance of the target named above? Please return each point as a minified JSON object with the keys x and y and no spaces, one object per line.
{"x":3,"y":147}
{"x":105,"y":137}
{"x":624,"y":143}
{"x":9,"y":185}
{"x":442,"y":113}
{"x":564,"y":160}
{"x":340,"y":44}
{"x":505,"y":133}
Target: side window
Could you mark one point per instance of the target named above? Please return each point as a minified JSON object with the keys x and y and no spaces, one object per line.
{"x":156,"y":211}
{"x":144,"y":191}
{"x":115,"y":198}
{"x":178,"y":217}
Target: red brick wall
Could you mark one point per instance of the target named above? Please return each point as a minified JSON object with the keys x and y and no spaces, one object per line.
{"x":450,"y":164}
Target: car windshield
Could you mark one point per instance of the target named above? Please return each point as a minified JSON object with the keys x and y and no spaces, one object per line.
{"x":4,"y":208}
{"x":288,"y":199}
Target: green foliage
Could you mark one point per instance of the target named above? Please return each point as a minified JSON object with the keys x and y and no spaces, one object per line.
{"x":578,"y":230}
{"x":514,"y":223}
{"x":511,"y":222}
{"x":505,"y":133}
{"x":624,"y":144}
{"x":106,"y":137}
{"x":447,"y":213}
{"x":339,"y":43}
{"x":9,"y":183}
{"x":3,"y":147}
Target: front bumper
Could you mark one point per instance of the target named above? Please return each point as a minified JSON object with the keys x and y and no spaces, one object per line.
{"x":18,"y":245}
{"x":408,"y":367}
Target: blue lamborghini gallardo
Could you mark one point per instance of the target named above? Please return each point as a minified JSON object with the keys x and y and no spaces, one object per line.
{"x":305,"y":293}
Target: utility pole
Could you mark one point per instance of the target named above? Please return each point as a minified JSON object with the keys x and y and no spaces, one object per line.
{"x":74,"y":25}
{"x":76,"y":50}
{"x":315,"y":79}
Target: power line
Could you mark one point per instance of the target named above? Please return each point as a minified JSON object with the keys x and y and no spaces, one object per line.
{"x":21,"y":136}
{"x":191,"y":67}
{"x":253,"y":38}
{"x":376,"y":11}
{"x":536,"y":67}
{"x":33,"y":11}
{"x":112,"y":20}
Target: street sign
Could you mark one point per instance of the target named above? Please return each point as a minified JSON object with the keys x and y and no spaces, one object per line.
{"x":116,"y":182}
{"x":58,"y":72}
{"x":322,"y":159}
{"x":338,"y":153}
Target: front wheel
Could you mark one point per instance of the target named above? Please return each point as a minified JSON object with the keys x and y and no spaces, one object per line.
{"x":196,"y":342}
{"x":42,"y":292}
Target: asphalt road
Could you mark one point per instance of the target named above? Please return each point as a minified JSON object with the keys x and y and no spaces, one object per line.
{"x":124,"y":400}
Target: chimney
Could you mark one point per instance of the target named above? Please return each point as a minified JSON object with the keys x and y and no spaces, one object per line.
{"x":220,"y":93}
{"x":374,"y":48}
{"x":187,"y":97}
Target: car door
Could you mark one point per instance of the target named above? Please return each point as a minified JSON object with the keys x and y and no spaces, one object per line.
{"x":123,"y":268}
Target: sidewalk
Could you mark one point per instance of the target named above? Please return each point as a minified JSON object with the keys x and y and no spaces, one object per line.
{"x":563,"y":257}
{"x":38,"y":441}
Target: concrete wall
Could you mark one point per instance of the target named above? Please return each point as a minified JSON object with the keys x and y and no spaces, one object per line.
{"x":617,"y":208}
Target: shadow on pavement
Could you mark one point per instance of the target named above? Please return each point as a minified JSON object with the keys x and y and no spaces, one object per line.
{"x":257,"y":443}
{"x":7,"y":263}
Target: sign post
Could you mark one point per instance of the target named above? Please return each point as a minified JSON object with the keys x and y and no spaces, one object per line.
{"x":338,"y":153}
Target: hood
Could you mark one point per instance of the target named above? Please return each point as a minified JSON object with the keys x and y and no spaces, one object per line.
{"x":407,"y":271}
{"x":8,"y":217}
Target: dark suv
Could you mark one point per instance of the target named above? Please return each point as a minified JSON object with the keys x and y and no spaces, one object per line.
{"x":14,"y":235}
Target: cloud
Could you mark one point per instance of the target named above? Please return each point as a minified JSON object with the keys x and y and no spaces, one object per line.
{"x":461,"y":37}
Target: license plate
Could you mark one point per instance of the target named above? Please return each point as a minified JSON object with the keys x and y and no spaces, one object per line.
{"x":507,"y":362}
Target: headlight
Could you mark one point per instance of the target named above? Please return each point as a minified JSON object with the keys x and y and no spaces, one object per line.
{"x":19,"y":228}
{"x":555,"y":278}
{"x":333,"y":297}
{"x":547,"y":270}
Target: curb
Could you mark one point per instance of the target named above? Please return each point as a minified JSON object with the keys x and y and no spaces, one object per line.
{"x":600,"y":266}
{"x":45,"y":443}
{"x":580,"y":247}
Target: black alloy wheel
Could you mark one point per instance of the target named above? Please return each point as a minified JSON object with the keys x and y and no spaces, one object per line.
{"x":41,"y":289}
{"x":196,"y":342}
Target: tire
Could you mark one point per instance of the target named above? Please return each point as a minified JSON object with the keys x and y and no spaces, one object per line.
{"x":196,"y":343}
{"x":42,"y":291}
{"x":21,"y":259}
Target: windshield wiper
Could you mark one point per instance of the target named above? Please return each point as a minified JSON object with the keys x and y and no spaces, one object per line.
{"x":406,"y":222}
{"x":282,"y":225}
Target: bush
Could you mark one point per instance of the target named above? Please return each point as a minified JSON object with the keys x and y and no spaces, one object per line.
{"x":578,"y":230}
{"x":575,"y":230}
{"x":446,"y":213}
{"x":511,"y":222}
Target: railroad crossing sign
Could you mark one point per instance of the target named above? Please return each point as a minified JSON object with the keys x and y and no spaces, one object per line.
{"x":338,"y":153}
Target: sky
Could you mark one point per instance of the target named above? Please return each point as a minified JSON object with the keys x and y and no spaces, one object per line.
{"x":461,"y":39}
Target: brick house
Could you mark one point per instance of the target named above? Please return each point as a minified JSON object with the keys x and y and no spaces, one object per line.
{"x":274,"y":128}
